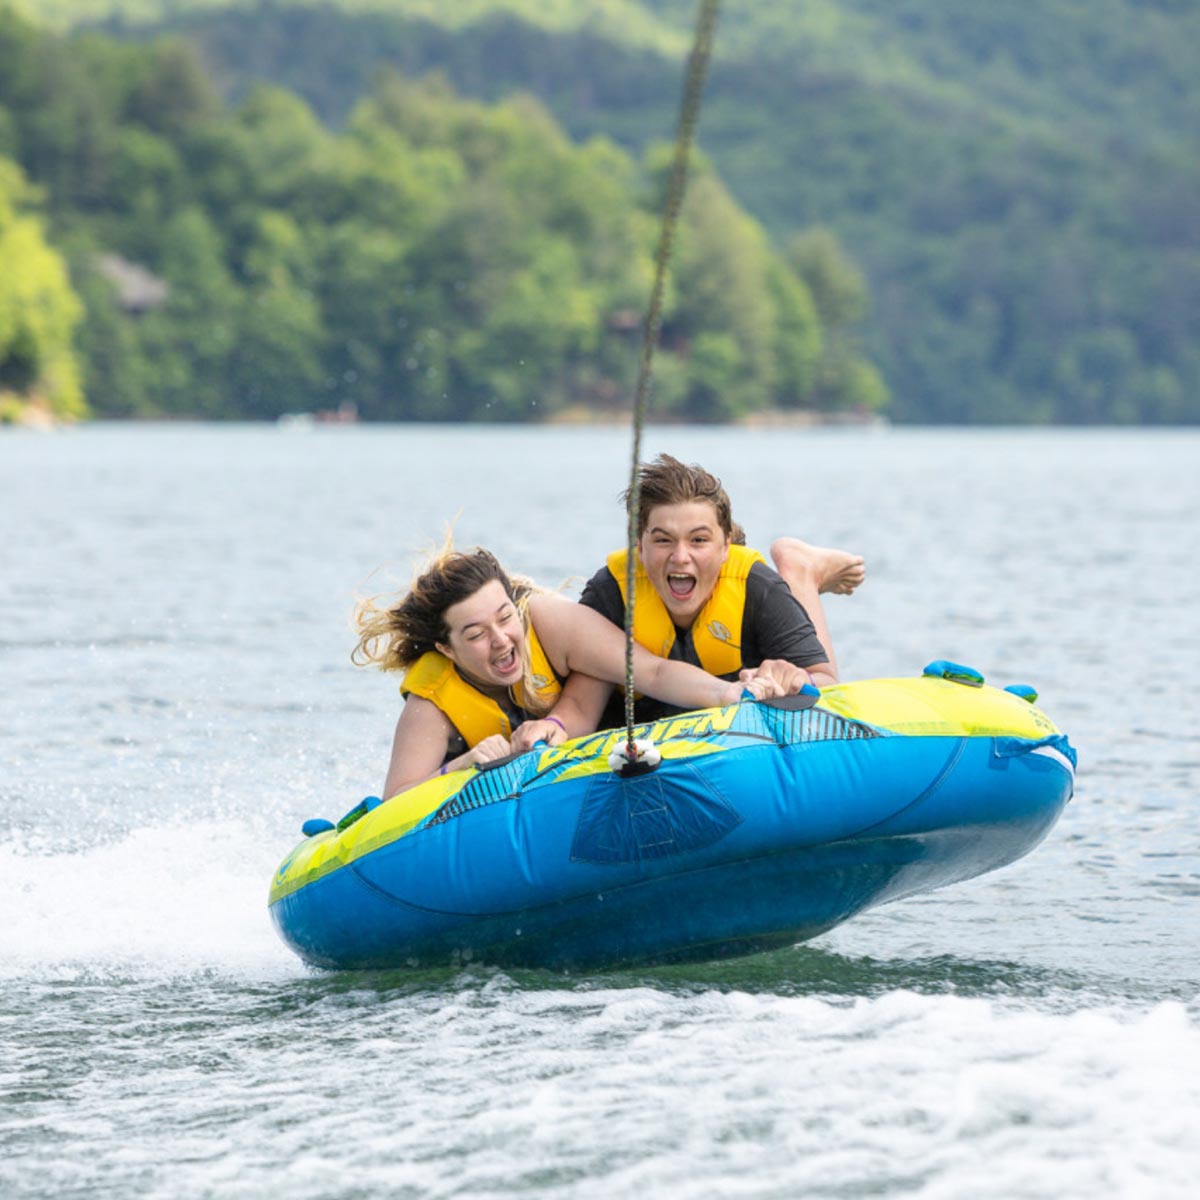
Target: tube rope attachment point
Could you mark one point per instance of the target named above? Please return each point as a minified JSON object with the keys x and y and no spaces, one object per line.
{"x":637,"y":757}
{"x":689,"y":111}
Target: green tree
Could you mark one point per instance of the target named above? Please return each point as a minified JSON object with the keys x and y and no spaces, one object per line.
{"x":191,"y":337}
{"x":838,"y":288}
{"x":275,"y":365}
{"x":714,"y":380}
{"x":843,"y":378}
{"x":39,"y":310}
{"x":799,"y":338}
{"x":1096,"y":375}
{"x":118,"y":377}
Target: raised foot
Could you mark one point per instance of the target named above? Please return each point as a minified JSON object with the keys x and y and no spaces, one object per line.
{"x":836,"y":571}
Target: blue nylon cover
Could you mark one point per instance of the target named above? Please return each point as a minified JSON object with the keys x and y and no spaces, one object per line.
{"x":632,"y":820}
{"x":801,"y":821}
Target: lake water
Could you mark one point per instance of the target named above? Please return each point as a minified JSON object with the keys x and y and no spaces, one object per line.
{"x":177,"y":698}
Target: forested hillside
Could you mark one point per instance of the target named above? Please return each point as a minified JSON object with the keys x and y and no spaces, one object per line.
{"x":432,"y":259}
{"x":1020,"y":182}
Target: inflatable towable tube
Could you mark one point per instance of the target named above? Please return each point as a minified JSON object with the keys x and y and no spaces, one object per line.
{"x":764,"y":824}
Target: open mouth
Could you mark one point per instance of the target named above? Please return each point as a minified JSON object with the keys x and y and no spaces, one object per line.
{"x":681,"y":586}
{"x":507,"y":663}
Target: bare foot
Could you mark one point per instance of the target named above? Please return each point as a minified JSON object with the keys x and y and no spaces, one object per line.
{"x":835,"y":571}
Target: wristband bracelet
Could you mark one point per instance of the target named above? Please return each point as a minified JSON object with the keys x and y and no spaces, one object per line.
{"x":443,"y":770}
{"x":556,"y":722}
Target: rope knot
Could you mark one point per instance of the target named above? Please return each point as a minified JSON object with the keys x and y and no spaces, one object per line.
{"x":637,"y":757}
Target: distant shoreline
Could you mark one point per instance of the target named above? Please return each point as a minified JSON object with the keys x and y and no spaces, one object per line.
{"x":772,"y":418}
{"x":37,"y":417}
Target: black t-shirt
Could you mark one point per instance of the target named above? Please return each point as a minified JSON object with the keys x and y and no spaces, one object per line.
{"x":774,"y":625}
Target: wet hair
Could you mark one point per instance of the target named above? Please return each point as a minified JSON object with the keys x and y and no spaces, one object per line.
{"x":668,"y":481}
{"x":392,"y":636}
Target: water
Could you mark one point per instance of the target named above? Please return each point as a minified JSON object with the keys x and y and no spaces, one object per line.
{"x":177,"y":698}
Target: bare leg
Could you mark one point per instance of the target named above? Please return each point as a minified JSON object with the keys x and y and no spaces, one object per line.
{"x":811,"y":570}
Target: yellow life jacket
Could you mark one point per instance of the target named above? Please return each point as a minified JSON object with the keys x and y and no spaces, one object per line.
{"x":475,"y":715}
{"x":717,"y":629}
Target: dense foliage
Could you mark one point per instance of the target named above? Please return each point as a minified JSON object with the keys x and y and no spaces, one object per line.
{"x":38,"y":309}
{"x":434,"y":259}
{"x":1021,"y":182}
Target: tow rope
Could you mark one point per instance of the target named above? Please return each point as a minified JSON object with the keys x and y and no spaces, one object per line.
{"x":689,"y":111}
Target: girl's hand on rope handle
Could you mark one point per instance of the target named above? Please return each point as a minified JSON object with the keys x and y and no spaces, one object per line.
{"x":528,"y":732}
{"x":490,"y":748}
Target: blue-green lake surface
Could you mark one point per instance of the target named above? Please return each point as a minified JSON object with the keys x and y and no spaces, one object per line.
{"x":177,"y":698}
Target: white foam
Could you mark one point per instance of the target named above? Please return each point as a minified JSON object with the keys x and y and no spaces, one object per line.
{"x":935,"y":1096}
{"x":646,"y":1092}
{"x":173,"y":898}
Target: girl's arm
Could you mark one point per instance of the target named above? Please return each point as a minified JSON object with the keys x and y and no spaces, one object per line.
{"x":579,"y":639}
{"x":579,"y":707}
{"x":419,"y":746}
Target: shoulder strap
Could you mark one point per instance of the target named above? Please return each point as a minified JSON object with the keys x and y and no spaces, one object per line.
{"x":541,"y":673}
{"x":717,"y":630}
{"x":652,"y":624}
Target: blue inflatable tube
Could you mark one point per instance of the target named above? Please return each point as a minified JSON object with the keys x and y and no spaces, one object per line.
{"x":764,"y":825}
